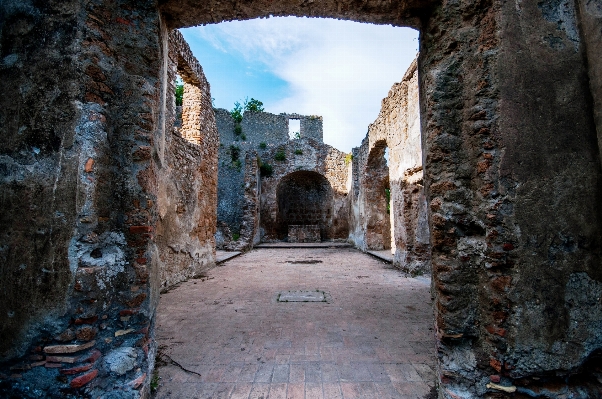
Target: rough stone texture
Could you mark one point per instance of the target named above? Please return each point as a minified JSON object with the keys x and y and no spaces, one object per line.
{"x":248,"y":207}
{"x":512,"y":178}
{"x":404,"y":227}
{"x":513,"y":182}
{"x":187,"y":182}
{"x":314,"y":177}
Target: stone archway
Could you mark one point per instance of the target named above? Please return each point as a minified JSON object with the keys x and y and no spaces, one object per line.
{"x":304,"y":198}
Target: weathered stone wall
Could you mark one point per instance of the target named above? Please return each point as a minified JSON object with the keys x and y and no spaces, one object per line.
{"x":305,"y":155}
{"x":89,"y":161}
{"x":238,"y":186}
{"x":509,"y":95}
{"x":404,"y":228}
{"x":79,"y":195}
{"x":513,"y":183}
{"x":187,"y":183}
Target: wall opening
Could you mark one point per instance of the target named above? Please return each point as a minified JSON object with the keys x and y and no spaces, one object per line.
{"x":294,"y":129}
{"x":377,"y":189}
{"x":304,"y":198}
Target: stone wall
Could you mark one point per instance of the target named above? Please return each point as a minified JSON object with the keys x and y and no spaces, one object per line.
{"x":89,"y":165}
{"x":308,"y":156}
{"x":187,"y":182}
{"x":262,"y":135}
{"x":404,"y":228}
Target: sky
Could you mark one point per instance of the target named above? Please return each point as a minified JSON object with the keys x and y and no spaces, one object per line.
{"x":340,"y":70}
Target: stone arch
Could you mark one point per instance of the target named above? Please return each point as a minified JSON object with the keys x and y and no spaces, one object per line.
{"x":304,"y":198}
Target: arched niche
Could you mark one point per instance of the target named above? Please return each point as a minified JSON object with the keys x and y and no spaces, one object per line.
{"x":304,"y":198}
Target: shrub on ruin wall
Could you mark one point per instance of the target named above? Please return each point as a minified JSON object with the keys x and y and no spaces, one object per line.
{"x":266,"y":170}
{"x":280,"y":156}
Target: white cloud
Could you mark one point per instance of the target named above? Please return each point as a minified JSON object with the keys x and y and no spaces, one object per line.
{"x":338,"y":69}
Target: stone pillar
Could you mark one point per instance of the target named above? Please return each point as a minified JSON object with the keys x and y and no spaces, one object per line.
{"x":513,"y":183}
{"x":79,"y":195}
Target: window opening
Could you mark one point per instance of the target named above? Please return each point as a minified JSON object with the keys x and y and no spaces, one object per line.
{"x":294,"y":129}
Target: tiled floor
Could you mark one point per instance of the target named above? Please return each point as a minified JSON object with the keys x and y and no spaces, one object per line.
{"x":372,"y":339}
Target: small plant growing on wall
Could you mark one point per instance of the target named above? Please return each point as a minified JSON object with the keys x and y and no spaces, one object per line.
{"x":234,"y":152}
{"x":280,"y":156}
{"x":179,"y":94}
{"x":298,"y":152}
{"x":296,"y":135}
{"x":243,"y":137}
{"x":348,"y":159}
{"x":263,"y":145}
{"x":236,"y":112}
{"x":266,"y":170}
{"x":237,"y":164}
{"x":237,"y":129}
{"x":253,"y":105}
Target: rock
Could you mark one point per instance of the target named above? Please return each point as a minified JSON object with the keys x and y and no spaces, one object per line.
{"x":121,"y":360}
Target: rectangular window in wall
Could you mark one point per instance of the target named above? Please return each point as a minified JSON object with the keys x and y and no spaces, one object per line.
{"x":294,"y":129}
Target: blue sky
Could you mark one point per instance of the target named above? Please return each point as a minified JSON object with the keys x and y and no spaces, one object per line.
{"x":340,"y":70}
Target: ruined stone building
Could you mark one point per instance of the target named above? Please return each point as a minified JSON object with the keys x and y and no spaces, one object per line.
{"x":105,"y":202}
{"x":269,"y":181}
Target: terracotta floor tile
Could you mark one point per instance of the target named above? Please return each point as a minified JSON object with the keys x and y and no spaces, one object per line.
{"x":373,"y":338}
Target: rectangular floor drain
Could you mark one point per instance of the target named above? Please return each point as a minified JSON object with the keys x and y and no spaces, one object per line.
{"x":302,"y":296}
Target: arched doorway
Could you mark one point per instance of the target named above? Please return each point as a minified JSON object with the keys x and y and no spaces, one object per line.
{"x":377,"y":199}
{"x":304,"y":198}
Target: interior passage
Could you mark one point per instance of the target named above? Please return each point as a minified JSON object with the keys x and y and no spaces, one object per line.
{"x":227,"y":335}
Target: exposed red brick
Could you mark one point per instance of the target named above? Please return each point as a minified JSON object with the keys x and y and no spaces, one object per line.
{"x":496,"y":330}
{"x":496,"y":364}
{"x":137,"y":383}
{"x":124,"y":21}
{"x":86,"y":333}
{"x":94,"y":356}
{"x":500,"y":283}
{"x":494,"y":378}
{"x":508,"y":246}
{"x":128,"y":312}
{"x":137,"y":300}
{"x":82,"y":380}
{"x":54,"y":349}
{"x":62,"y":359}
{"x":86,"y":320}
{"x":89,"y":165}
{"x":76,"y":370}
{"x":140,"y":229}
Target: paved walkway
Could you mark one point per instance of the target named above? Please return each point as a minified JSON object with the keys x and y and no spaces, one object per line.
{"x":227,"y":336}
